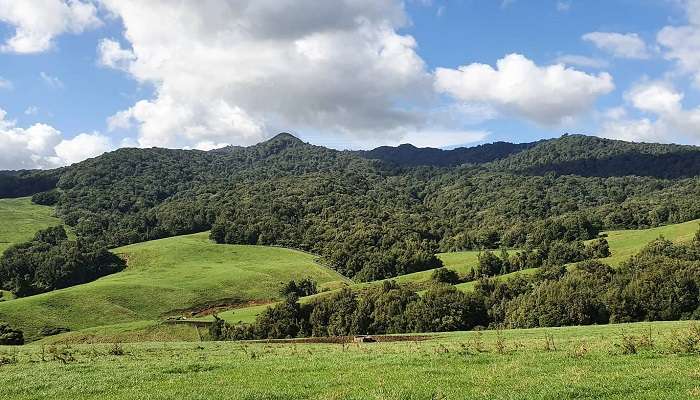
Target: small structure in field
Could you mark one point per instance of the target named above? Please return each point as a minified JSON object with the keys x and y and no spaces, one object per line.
{"x":364,"y":339}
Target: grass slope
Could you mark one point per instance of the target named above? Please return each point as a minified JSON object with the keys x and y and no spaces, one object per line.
{"x":586,"y":362}
{"x":626,"y":243}
{"x":21,"y":219}
{"x":165,"y":276}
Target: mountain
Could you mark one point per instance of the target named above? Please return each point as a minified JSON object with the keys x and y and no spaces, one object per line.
{"x":593,"y":156}
{"x":408,"y":155}
{"x":372,"y":215}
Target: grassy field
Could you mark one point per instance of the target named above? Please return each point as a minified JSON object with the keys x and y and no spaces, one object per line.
{"x":21,"y":219}
{"x":169,"y":276}
{"x":579,"y":363}
{"x":626,"y":243}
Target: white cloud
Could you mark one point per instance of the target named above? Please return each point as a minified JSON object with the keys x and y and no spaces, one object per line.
{"x":51,"y":81}
{"x":547,"y":95}
{"x":682,"y":43}
{"x":113,"y":55}
{"x":622,"y":45}
{"x":82,"y":146}
{"x":667,"y":120}
{"x":43,"y":146}
{"x":38,"y":22}
{"x":31,"y":110}
{"x":5,"y":84}
{"x":563,"y":6}
{"x":582,"y":61}
{"x":238,"y":71}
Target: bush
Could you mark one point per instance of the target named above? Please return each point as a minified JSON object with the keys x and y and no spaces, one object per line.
{"x":445,"y":275}
{"x":49,"y":198}
{"x":302,"y":288}
{"x":9,"y":336}
{"x":52,"y":331}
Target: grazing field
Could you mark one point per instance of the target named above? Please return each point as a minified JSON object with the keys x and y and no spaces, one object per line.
{"x":626,"y":243}
{"x":174,"y":275}
{"x":631,"y":361}
{"x":21,"y":219}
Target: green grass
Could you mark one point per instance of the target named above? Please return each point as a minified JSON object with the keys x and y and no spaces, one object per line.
{"x":21,"y":220}
{"x":586,"y":363}
{"x":626,"y":243}
{"x":168,"y":276}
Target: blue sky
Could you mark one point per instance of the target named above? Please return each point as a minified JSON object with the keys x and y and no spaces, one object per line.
{"x":80,"y":77}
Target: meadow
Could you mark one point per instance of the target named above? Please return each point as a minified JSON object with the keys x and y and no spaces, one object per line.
{"x":166,"y":277}
{"x":21,"y":219}
{"x":640,"y":361}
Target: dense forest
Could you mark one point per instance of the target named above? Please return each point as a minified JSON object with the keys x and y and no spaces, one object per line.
{"x":51,"y":261}
{"x":376,"y":214}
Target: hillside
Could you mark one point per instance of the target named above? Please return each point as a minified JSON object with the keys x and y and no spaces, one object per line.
{"x":21,"y":219}
{"x":169,"y":276}
{"x":407,"y":155}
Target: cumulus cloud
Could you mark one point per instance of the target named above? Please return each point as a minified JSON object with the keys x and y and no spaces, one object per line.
{"x":682,"y":43}
{"x":82,"y":146}
{"x":43,"y":146}
{"x":113,"y":55}
{"x":237,"y":71}
{"x":621,"y":45}
{"x":38,"y":22}
{"x":517,"y":86}
{"x":666,"y":118}
{"x":5,"y":84}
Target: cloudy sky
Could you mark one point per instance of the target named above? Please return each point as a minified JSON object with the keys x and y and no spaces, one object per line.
{"x":81,"y":77}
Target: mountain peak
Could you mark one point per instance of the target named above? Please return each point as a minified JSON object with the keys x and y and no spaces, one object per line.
{"x":285,"y":137}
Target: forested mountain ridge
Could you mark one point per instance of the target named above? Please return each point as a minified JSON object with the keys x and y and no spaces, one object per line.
{"x":407,"y":155}
{"x":377,"y":218}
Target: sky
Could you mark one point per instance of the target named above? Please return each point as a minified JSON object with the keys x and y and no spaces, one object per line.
{"x":82,"y":77}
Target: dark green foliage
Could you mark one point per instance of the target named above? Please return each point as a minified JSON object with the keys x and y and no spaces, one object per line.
{"x":26,"y":183}
{"x":371,"y":219}
{"x":48,"y":198}
{"x":218,"y":330}
{"x":444,"y":308}
{"x":9,"y":336}
{"x":445,"y":275}
{"x":598,"y":248}
{"x":50,"y":261}
{"x":407,"y":155}
{"x":304,"y":287}
{"x":52,"y":331}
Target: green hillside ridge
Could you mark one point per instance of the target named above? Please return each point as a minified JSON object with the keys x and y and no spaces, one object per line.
{"x":21,"y":219}
{"x":169,"y":276}
{"x":623,"y":244}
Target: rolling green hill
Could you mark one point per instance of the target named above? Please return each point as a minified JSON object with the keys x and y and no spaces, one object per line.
{"x":169,"y":276}
{"x":21,"y":219}
{"x":626,"y":243}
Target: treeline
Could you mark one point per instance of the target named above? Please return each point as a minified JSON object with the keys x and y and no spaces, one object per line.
{"x":50,"y":261}
{"x":662,"y":282}
{"x":27,"y":182}
{"x":367,"y":218}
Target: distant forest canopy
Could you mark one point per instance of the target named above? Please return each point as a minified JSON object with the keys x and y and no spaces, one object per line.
{"x":380,"y":213}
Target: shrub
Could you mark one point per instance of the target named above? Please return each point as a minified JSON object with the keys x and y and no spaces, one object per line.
{"x":52,"y":331}
{"x":445,"y":275}
{"x":9,"y":336}
{"x":49,"y":198}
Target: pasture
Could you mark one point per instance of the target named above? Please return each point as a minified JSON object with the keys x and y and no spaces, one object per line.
{"x":640,"y":361}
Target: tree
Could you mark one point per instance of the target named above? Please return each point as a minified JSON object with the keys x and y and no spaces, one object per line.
{"x":445,"y":275}
{"x":9,"y":336}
